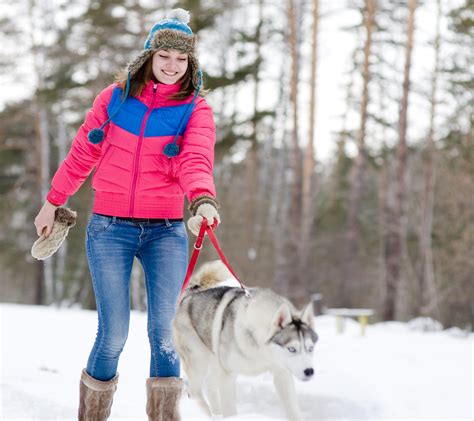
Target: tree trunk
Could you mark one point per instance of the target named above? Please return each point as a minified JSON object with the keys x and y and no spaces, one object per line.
{"x":397,"y":224}
{"x":252,"y":154}
{"x":279,"y":211}
{"x":385,"y":188}
{"x":280,"y":134}
{"x":43,"y":136}
{"x":297,"y":291}
{"x":307,"y":216}
{"x":44,"y":282}
{"x":45,"y":275}
{"x":428,"y":297}
{"x":349,"y":99}
{"x":353,"y":231}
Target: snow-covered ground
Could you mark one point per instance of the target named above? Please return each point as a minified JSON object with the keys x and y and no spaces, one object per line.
{"x":393,"y":373}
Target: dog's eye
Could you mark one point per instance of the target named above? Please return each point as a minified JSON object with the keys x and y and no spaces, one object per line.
{"x":291,"y":349}
{"x":310,"y":349}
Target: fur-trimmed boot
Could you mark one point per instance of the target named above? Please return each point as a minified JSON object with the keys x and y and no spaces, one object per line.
{"x":163,"y":395}
{"x":95,"y":397}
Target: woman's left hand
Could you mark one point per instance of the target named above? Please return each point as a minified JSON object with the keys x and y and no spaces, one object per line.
{"x":206,"y":210}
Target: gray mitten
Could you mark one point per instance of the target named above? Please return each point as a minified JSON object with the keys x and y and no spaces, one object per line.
{"x":45,"y":247}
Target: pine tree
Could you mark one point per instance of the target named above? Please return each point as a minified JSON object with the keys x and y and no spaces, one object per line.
{"x":397,"y":223}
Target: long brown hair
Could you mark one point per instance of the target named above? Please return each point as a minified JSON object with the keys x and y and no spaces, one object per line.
{"x":145,"y":74}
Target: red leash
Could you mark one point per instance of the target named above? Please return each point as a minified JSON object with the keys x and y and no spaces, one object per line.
{"x":205,"y":228}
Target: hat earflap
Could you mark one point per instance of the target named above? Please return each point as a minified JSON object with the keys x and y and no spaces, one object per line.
{"x":172,"y":149}
{"x":96,"y":136}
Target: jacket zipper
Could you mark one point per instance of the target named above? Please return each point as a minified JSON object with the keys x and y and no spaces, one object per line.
{"x":137,"y":151}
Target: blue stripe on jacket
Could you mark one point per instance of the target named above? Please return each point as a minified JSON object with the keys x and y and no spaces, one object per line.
{"x":163,"y":121}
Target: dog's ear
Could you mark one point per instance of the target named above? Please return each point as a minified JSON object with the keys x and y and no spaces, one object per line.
{"x":307,"y":314}
{"x":282,"y":316}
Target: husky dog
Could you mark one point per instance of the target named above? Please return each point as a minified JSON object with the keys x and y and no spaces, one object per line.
{"x":220,"y":332}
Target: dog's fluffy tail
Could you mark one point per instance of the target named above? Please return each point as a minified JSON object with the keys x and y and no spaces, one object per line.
{"x":209,"y":275}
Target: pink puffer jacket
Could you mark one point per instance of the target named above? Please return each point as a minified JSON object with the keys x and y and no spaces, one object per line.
{"x":133,"y":178}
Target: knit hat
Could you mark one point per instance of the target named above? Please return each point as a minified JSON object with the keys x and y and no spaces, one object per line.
{"x":45,"y":247}
{"x":174,"y":33}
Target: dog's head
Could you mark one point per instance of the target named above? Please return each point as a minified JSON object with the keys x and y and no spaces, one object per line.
{"x":293,"y":342}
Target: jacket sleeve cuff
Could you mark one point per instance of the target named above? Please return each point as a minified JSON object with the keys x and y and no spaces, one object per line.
{"x":195,"y":203}
{"x":56,"y":198}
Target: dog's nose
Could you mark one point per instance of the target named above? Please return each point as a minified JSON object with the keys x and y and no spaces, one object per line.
{"x":308,"y":372}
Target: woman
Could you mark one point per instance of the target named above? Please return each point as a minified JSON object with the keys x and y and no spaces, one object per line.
{"x":150,"y":137}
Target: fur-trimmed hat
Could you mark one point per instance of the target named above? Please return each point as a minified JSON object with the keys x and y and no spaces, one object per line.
{"x":45,"y":247}
{"x":171,"y":33}
{"x":174,"y":33}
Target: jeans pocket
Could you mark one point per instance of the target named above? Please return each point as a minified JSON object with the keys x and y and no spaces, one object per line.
{"x":98,"y":224}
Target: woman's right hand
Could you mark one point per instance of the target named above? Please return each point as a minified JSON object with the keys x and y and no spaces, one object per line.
{"x":45,"y":219}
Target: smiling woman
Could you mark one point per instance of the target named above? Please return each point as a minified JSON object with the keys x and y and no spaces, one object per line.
{"x":150,"y":137}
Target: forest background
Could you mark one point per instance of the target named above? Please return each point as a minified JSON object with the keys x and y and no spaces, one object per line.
{"x":345,"y":144}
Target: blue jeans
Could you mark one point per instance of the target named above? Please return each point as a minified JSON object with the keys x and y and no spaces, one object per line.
{"x":162,"y":249}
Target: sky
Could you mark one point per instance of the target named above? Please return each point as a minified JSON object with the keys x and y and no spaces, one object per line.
{"x":335,"y":51}
{"x":395,"y":372}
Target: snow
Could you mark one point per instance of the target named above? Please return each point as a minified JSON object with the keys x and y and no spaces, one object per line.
{"x":394,"y":372}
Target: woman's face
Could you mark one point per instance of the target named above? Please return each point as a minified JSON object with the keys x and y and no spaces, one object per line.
{"x":169,"y":66}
